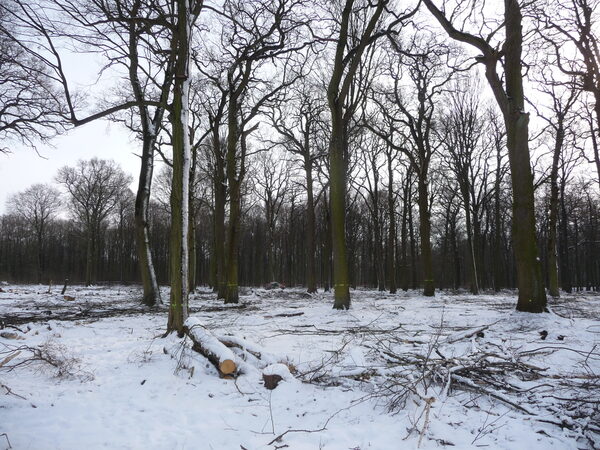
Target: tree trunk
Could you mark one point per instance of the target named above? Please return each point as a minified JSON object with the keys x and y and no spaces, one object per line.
{"x":311,"y":280}
{"x":142,"y":232}
{"x":327,"y":246}
{"x":404,"y":242}
{"x":89,"y":255}
{"x":391,"y":244}
{"x":565,"y":272}
{"x":474,"y":285}
{"x":220,"y":188}
{"x":553,"y":216}
{"x":337,"y":179}
{"x":532,"y":295}
{"x":179,"y":252}
{"x":425,"y":232}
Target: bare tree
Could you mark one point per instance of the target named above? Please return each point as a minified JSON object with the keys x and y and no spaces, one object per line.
{"x":298,"y":121}
{"x":94,"y":188}
{"x":273,"y":179}
{"x":509,"y":94}
{"x":411,"y":113}
{"x":358,"y":26}
{"x":573,"y":36}
{"x":462,"y":135}
{"x":30,"y":107}
{"x":38,"y":205}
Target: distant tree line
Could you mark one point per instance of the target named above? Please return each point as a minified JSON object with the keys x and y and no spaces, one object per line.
{"x":44,"y":237}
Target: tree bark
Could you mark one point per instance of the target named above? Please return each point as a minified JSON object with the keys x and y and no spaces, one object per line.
{"x":179,"y":251}
{"x":391,"y":245}
{"x":425,"y":232}
{"x":337,"y":180}
{"x":311,"y":250}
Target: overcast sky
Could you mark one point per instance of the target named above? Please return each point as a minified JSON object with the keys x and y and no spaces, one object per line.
{"x":23,"y":167}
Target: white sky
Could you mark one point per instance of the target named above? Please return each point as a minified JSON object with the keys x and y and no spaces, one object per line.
{"x":23,"y":167}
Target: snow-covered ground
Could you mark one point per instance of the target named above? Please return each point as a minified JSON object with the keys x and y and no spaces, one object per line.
{"x":396,"y":371}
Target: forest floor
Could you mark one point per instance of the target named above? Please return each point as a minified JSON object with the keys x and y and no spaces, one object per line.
{"x":395,"y":371}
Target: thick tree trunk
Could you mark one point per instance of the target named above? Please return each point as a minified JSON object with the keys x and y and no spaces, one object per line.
{"x":231,"y":276}
{"x":337,"y":179}
{"x":532,"y":295}
{"x":425,"y":232}
{"x":179,"y":251}
{"x":219,"y":216}
{"x":327,"y":246}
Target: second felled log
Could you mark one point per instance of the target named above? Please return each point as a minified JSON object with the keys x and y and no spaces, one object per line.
{"x":208,"y":345}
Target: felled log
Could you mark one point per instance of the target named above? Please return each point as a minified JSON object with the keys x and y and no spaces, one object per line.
{"x":275,"y":373}
{"x":210,"y":347}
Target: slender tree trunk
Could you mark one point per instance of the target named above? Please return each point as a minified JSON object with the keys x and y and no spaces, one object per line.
{"x":179,"y":251}
{"x":391,"y":244}
{"x":40,"y":256}
{"x":311,"y":280}
{"x":413,"y":250}
{"x":404,"y":241}
{"x":425,"y":232}
{"x":192,"y":225}
{"x":565,"y":273}
{"x":470,"y":244}
{"x":553,"y":217}
{"x":497,"y":225}
{"x":142,"y":199}
{"x":89,"y":255}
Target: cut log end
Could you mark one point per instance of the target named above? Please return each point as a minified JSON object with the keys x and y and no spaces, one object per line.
{"x":227,"y":367}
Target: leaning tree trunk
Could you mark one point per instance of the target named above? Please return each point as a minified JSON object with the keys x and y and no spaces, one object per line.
{"x":179,"y":252}
{"x":337,"y":177}
{"x":142,"y":232}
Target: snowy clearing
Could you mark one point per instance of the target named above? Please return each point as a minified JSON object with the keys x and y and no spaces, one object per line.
{"x":396,"y":371}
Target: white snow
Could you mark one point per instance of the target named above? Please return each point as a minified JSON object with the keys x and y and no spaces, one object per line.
{"x":125,"y":386}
